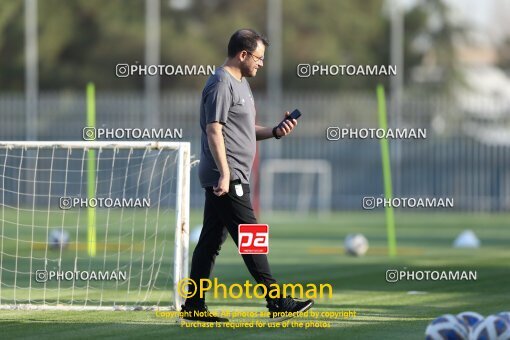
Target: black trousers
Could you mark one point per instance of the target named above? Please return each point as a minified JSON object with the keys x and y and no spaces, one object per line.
{"x":222,"y":216}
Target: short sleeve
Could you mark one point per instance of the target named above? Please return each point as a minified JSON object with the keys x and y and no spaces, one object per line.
{"x":217,"y":103}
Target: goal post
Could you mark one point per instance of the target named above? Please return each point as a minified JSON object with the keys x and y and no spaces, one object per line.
{"x":181,"y":243}
{"x":300,"y":188}
{"x":141,"y":204}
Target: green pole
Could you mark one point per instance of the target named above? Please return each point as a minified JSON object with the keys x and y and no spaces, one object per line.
{"x":385,"y":157}
{"x":91,"y":172}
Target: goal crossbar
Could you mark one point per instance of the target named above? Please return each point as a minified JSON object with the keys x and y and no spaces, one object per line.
{"x":94,"y":144}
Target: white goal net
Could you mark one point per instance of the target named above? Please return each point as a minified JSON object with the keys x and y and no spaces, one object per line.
{"x":93,"y":225}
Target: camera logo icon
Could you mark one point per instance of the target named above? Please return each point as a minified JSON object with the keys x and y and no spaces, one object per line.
{"x":65,"y":203}
{"x":304,"y":70}
{"x":368,"y":203}
{"x":122,"y":70}
{"x":391,"y":275}
{"x":89,"y":133}
{"x":41,"y":276}
{"x":333,"y":133}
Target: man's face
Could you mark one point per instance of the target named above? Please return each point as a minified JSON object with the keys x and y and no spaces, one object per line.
{"x":252,"y":61}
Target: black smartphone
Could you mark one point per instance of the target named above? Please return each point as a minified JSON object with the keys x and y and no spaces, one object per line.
{"x":293,"y":115}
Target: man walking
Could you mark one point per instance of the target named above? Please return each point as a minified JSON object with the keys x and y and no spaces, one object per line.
{"x":228,"y":145}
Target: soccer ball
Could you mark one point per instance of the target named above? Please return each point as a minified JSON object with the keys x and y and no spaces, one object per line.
{"x":470,"y":318}
{"x":493,"y":327}
{"x":58,"y":239}
{"x":504,"y":315}
{"x":356,"y":244}
{"x":446,"y":326}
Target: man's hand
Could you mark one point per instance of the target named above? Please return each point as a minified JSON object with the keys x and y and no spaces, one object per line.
{"x":223,"y":186}
{"x":286,"y":127}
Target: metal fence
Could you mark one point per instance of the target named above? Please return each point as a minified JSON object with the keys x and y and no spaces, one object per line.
{"x":465,"y":155}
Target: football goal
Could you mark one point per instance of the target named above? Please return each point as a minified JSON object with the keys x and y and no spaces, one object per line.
{"x":93,"y":225}
{"x":301,"y":183}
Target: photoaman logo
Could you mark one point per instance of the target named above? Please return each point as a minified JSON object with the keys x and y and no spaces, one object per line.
{"x":253,"y":239}
{"x":188,"y":288}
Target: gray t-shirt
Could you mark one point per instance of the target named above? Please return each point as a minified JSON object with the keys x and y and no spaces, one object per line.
{"x":230,"y":102}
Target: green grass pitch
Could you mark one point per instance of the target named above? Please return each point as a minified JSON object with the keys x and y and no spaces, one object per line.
{"x":308,"y":249}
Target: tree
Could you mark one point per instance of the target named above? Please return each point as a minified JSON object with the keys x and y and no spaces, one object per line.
{"x":83,"y":40}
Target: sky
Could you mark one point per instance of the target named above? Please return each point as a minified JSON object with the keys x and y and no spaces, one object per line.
{"x":488,"y":16}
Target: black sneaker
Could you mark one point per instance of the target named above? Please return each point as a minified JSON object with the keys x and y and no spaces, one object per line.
{"x":199,"y":313}
{"x":285,"y":308}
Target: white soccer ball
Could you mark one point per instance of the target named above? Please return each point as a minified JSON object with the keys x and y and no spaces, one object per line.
{"x":446,"y":326}
{"x":356,"y":244}
{"x":493,"y":327}
{"x":470,"y":318}
{"x":58,"y":239}
{"x":504,"y":315}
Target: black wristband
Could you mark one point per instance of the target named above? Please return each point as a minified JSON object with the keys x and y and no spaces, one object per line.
{"x":274,"y":133}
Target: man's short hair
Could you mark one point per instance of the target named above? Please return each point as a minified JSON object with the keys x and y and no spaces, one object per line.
{"x":245,"y":39}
